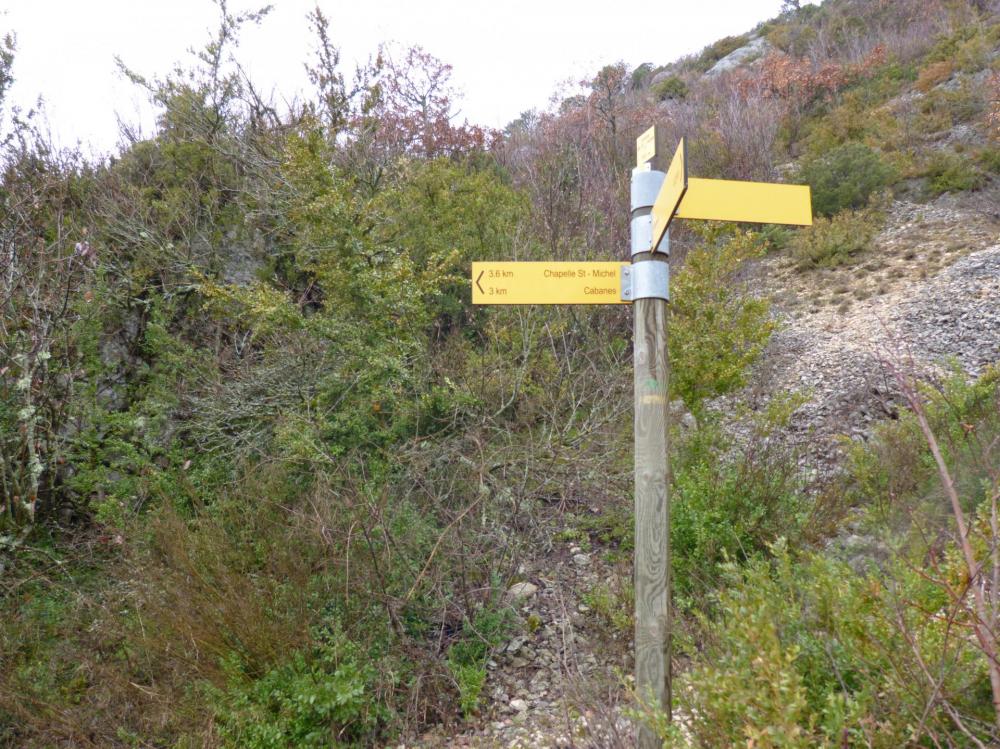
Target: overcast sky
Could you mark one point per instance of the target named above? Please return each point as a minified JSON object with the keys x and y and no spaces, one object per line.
{"x":508,"y":57}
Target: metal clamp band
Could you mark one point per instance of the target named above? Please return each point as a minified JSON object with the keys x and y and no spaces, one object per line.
{"x":648,"y":279}
{"x":645,"y":187}
{"x":642,"y":235}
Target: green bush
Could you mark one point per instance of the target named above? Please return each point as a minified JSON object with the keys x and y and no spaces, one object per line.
{"x":942,"y":109}
{"x":728,"y":502}
{"x":845,"y":177}
{"x":804,"y":652}
{"x":672,"y":87}
{"x":774,"y":237}
{"x":833,"y":649}
{"x":947,"y":171}
{"x":324,"y":698}
{"x":831,"y":242}
{"x":858,"y":114}
{"x":969,"y":48}
{"x":613,"y":604}
{"x":896,"y":465}
{"x":716,"y":329}
{"x":641,"y":74}
{"x":467,"y":656}
{"x":989,"y":159}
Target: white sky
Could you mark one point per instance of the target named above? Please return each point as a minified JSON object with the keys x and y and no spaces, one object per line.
{"x":507,"y":56}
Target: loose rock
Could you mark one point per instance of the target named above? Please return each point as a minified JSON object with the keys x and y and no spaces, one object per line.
{"x":521,"y":591}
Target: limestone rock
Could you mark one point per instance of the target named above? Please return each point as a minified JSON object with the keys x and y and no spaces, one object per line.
{"x":521,"y":591}
{"x":750,"y":51}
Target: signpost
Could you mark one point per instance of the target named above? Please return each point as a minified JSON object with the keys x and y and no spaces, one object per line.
{"x":547,"y":283}
{"x":657,"y":199}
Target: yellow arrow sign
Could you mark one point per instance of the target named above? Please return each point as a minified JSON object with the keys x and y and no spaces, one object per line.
{"x":725,"y":200}
{"x":546,"y":283}
{"x":755,"y":202}
{"x":645,"y":147}
{"x":675,"y":184}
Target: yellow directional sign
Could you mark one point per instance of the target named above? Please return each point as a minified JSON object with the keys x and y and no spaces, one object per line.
{"x":546,"y":283}
{"x":756,"y":202}
{"x":675,"y":184}
{"x":726,"y":200}
{"x":645,"y":147}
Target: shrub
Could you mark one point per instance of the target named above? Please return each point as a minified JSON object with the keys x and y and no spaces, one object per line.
{"x":468,"y":655}
{"x":895,"y":464}
{"x":730,"y":501}
{"x":941,"y":109}
{"x":805,"y":650}
{"x":831,"y":242}
{"x":613,"y":604}
{"x":611,"y":531}
{"x":967,"y":49}
{"x":989,"y":159}
{"x":669,"y":88}
{"x":641,"y":74}
{"x":933,"y":74}
{"x":319,"y":699}
{"x":845,"y":177}
{"x":806,"y":653}
{"x":716,"y":330}
{"x":751,"y":691}
{"x":947,"y":171}
{"x":858,"y":112}
{"x":775,"y":237}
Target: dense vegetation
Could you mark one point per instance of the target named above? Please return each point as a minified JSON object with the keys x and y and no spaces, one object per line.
{"x":266,"y":474}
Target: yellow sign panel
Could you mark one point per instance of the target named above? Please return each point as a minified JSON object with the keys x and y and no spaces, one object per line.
{"x":645,"y":147}
{"x":546,"y":283}
{"x":756,"y":202}
{"x":675,"y":184}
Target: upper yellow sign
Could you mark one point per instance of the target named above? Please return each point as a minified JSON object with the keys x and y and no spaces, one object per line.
{"x":756,"y":202}
{"x":725,"y":200}
{"x":675,"y":185}
{"x":645,"y":147}
{"x":546,"y":283}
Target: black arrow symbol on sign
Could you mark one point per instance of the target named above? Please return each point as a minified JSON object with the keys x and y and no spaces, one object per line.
{"x":481,"y":289}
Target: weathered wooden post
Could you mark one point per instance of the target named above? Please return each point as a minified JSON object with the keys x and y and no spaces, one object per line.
{"x":652,"y":509}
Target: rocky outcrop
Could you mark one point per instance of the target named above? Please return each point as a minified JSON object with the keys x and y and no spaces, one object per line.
{"x":749,"y":52}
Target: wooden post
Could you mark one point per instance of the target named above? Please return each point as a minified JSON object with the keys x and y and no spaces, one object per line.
{"x":652,"y":513}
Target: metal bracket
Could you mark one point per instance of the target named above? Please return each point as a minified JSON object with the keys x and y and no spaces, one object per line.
{"x":646,"y":184}
{"x":649,"y":279}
